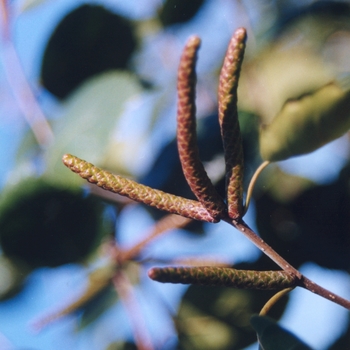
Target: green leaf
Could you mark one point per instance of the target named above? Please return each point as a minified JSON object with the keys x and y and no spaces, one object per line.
{"x":178,"y":11}
{"x":120,"y":345}
{"x":12,"y":277}
{"x":273,"y":337}
{"x":92,"y":113}
{"x":307,"y":123}
{"x":89,"y":40}
{"x":42,"y":224}
{"x":217,"y":318}
{"x":31,"y":4}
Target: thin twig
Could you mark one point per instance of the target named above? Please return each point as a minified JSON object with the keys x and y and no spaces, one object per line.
{"x":274,"y":256}
{"x":323,"y":292}
{"x":99,"y":280}
{"x":125,"y":291}
{"x":21,"y":88}
{"x":167,"y":223}
{"x":241,"y":226}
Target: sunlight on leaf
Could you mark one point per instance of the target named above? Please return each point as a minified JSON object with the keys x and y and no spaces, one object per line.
{"x":307,"y":123}
{"x":92,"y":112}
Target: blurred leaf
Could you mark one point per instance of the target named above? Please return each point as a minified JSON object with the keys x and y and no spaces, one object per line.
{"x":96,"y":306}
{"x":45,"y":225}
{"x":31,"y":4}
{"x":178,"y":11}
{"x":12,"y":277}
{"x":97,"y":288}
{"x":88,"y":41}
{"x":344,"y":340}
{"x":217,"y":318}
{"x":122,"y":346}
{"x":280,"y":72}
{"x":294,"y":83}
{"x":272,"y":337}
{"x":92,"y":113}
{"x":312,"y":225}
{"x":306,"y":124}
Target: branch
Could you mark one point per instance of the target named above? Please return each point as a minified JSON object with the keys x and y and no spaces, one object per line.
{"x":168,"y":222}
{"x":20,"y":86}
{"x":303,"y":281}
{"x":125,"y":291}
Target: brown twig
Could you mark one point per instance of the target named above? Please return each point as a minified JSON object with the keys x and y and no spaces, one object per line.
{"x":125,"y":291}
{"x":98,"y":281}
{"x":303,"y":281}
{"x":192,"y":166}
{"x":168,"y":222}
{"x":234,"y":163}
{"x":241,"y":226}
{"x":323,"y":292}
{"x":21,"y":88}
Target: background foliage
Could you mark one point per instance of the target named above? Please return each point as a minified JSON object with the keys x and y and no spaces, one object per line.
{"x":104,"y":74}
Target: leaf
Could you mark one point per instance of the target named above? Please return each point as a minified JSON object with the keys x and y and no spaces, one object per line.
{"x":89,"y":40}
{"x":95,"y":307}
{"x":42,"y":224}
{"x":92,"y":113}
{"x":98,"y":286}
{"x":31,"y":4}
{"x":217,"y":318}
{"x":311,"y":224}
{"x":120,"y":345}
{"x":273,"y":337}
{"x":178,"y":11}
{"x":307,"y":123}
{"x":12,"y":277}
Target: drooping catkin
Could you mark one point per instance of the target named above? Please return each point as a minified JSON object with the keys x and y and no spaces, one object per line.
{"x":228,"y":119}
{"x":224,"y":276}
{"x":192,"y":166}
{"x":137,"y":192}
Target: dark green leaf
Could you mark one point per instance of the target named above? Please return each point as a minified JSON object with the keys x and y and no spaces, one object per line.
{"x":178,"y":11}
{"x":47,"y":225}
{"x":273,"y":337}
{"x":217,"y":318}
{"x":88,"y":41}
{"x":87,"y":126}
{"x":94,"y":308}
